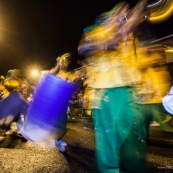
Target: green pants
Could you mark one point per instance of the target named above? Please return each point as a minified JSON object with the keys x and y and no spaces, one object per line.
{"x":112,"y":125}
{"x":134,"y":150}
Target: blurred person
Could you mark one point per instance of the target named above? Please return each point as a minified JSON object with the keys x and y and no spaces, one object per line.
{"x":25,"y":89}
{"x":76,"y":104}
{"x":14,"y":74}
{"x":46,"y":125}
{"x":14,"y":80}
{"x":110,"y":75}
{"x":71,"y":106}
{"x":80,"y":102}
{"x":151,"y":61}
{"x":13,"y":105}
{"x":147,"y":96}
{"x":61,"y":70}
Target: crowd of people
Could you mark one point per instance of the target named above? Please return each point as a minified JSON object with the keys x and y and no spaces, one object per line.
{"x":17,"y":95}
{"x":125,"y":79}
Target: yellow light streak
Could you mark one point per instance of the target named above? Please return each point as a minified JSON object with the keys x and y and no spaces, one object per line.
{"x":163,"y":16}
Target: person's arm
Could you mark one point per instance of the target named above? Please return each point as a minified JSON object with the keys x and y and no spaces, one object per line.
{"x":87,"y":47}
{"x":55,"y":69}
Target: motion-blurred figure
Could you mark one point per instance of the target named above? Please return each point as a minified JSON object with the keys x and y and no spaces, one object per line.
{"x":61,"y":70}
{"x":111,"y":72}
{"x":147,"y":95}
{"x":13,"y":105}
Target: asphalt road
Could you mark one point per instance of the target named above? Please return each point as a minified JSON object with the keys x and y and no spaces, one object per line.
{"x":20,"y":156}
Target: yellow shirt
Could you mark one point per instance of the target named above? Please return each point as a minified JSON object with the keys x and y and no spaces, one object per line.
{"x":108,"y":69}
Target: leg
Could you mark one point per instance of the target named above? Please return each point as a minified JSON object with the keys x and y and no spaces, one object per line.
{"x":111,"y":128}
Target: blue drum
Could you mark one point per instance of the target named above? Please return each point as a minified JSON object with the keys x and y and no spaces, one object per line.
{"x":47,"y":115}
{"x":11,"y":108}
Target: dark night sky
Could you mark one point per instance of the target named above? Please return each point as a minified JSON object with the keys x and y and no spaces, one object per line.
{"x":37,"y":31}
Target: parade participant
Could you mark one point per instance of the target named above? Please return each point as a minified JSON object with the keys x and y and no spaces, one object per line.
{"x":46,"y":117}
{"x":61,"y":70}
{"x":147,"y":95}
{"x":13,"y":106}
{"x":12,"y":82}
{"x":109,"y":76}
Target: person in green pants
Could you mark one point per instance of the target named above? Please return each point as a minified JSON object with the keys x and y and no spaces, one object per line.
{"x":110,"y":74}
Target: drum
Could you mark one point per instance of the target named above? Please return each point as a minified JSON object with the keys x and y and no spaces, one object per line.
{"x":12,"y":106}
{"x":47,"y":115}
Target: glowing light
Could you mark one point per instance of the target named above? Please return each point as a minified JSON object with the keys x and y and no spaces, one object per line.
{"x":34,"y":73}
{"x":164,"y":15}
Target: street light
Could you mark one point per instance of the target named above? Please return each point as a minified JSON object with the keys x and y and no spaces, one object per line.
{"x":34,"y":73}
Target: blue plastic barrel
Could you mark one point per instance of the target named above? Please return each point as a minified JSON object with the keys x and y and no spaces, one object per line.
{"x":47,"y":115}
